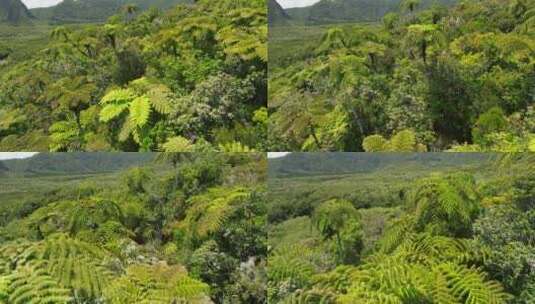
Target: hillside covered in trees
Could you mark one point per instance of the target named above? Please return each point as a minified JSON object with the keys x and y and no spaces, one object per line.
{"x":181,"y":228}
{"x":84,"y":11}
{"x":457,"y":233}
{"x":337,"y":11}
{"x":76,"y":162}
{"x":424,"y":79}
{"x":189,"y":78}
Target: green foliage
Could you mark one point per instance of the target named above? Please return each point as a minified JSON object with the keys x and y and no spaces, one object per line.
{"x":156,"y":284}
{"x":339,"y":221}
{"x":178,"y":144}
{"x":456,"y":79}
{"x":35,"y":285}
{"x":374,"y":143}
{"x":461,"y":234}
{"x":403,"y":141}
{"x":59,"y":264}
{"x":209,"y":212}
{"x":445,"y":206}
{"x":172,"y":231}
{"x":139,"y":81}
{"x":491,"y":121}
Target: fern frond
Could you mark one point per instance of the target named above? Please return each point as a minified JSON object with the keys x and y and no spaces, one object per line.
{"x":209,"y":211}
{"x":31,"y":284}
{"x":178,"y":144}
{"x":470,"y":285}
{"x":235,"y":147}
{"x":112,"y":111}
{"x":155,"y":284}
{"x":159,"y":96}
{"x":140,"y":110}
{"x":126,"y":130}
{"x":118,"y":96}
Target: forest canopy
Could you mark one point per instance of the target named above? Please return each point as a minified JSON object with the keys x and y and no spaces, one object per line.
{"x":177,"y":228}
{"x":190,"y":78}
{"x":429,"y":78}
{"x":456,"y":232}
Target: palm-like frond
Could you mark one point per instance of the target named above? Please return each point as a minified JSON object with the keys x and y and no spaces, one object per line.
{"x":208,"y":212}
{"x":156,"y":284}
{"x":140,"y":109}
{"x":32,"y":284}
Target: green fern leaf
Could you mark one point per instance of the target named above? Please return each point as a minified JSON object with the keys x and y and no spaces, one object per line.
{"x":178,"y":144}
{"x":140,"y":110}
{"x":119,"y":96}
{"x":111,"y":111}
{"x":159,"y":96}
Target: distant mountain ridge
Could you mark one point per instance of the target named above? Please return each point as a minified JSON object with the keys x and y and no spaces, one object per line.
{"x":276,"y":15}
{"x":14,"y":12}
{"x":96,"y":10}
{"x":61,"y":163}
{"x":302,"y":164}
{"x":336,"y":11}
{"x":3,"y":169}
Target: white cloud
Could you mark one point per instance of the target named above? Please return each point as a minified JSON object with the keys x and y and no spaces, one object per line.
{"x":40,"y":3}
{"x":296,"y":3}
{"x":277,"y":154}
{"x":12,"y":155}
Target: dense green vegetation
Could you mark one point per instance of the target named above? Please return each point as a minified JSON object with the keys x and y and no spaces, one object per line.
{"x":458,"y":230}
{"x":434,"y":79}
{"x":179,"y":228}
{"x":191,"y":78}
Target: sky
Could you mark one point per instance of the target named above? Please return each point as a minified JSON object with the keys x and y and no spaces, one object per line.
{"x":11,"y":155}
{"x":296,"y":3}
{"x":276,"y":154}
{"x":40,"y":3}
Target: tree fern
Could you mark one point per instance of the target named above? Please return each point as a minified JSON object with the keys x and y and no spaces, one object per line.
{"x":198,"y":31}
{"x":76,"y":264}
{"x":446,"y":205}
{"x":294,"y":270}
{"x":115,"y":102}
{"x":208,"y":212}
{"x":140,"y":98}
{"x":235,"y":147}
{"x":178,"y":144}
{"x":156,"y":284}
{"x":64,"y":136}
{"x":402,"y":141}
{"x":333,"y":39}
{"x":246,"y":36}
{"x":339,"y":279}
{"x":112,"y":111}
{"x":87,"y":214}
{"x":60,"y":262}
{"x":118,"y":96}
{"x":422,"y":269}
{"x":140,"y":109}
{"x":395,"y":234}
{"x":310,"y":296}
{"x":32,"y":284}
{"x":469,"y":285}
{"x":160,"y":98}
